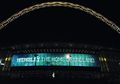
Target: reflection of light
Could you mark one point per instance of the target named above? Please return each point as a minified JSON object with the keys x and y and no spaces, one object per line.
{"x":53,"y":75}
{"x":101,"y":59}
{"x":1,"y":63}
{"x":119,"y":63}
{"x":68,"y":56}
{"x":105,"y":59}
{"x":6,"y":59}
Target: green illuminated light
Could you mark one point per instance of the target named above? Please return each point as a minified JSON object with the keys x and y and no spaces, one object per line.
{"x":54,"y":59}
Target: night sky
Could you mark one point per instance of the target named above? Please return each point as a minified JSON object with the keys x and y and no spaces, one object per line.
{"x":59,"y":24}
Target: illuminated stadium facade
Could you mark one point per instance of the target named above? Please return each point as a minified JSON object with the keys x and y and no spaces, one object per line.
{"x":60,"y":61}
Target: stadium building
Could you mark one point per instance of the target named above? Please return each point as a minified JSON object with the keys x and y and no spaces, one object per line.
{"x":59,"y":61}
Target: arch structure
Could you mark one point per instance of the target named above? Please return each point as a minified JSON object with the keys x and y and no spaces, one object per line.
{"x":110,"y":23}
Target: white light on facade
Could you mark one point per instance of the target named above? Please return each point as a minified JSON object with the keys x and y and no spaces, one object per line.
{"x":68,"y":56}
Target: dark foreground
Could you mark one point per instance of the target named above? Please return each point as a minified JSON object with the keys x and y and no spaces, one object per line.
{"x":56,"y":81}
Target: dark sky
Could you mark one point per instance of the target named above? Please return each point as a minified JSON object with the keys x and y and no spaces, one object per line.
{"x":59,"y":24}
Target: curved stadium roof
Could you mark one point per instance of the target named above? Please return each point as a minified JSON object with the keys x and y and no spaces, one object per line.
{"x":70,"y":26}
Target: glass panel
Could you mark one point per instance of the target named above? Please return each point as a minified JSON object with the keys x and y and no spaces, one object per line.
{"x":54,"y":59}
